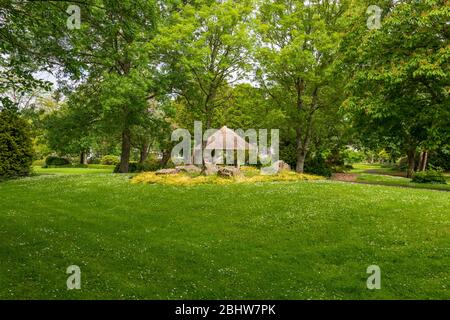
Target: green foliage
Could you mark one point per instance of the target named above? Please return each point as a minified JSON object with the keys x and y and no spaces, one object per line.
{"x":16,"y":150}
{"x":135,"y":167}
{"x":204,"y":45}
{"x":288,"y":154}
{"x":351,"y":156}
{"x":56,"y":161}
{"x":318,"y":166}
{"x":440,"y":158}
{"x":398,"y":78}
{"x":429,"y":176}
{"x":110,"y":160}
{"x":295,"y":46}
{"x":39,"y":163}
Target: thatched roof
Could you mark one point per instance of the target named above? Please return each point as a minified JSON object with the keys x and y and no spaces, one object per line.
{"x":227,"y":139}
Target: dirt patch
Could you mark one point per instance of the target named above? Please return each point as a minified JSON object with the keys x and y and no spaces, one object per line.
{"x":352,"y":177}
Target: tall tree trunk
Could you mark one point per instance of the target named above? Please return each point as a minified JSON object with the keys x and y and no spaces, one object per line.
{"x":83,"y":157}
{"x":126,"y":150}
{"x":165,"y":157}
{"x":300,"y":165}
{"x":424,"y":161}
{"x":411,"y":162}
{"x":143,"y":155}
{"x":418,"y":161}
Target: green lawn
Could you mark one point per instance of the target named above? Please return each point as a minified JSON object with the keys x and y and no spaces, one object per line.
{"x":92,"y":169}
{"x":301,"y":240}
{"x":384,"y":175}
{"x":399,"y":182}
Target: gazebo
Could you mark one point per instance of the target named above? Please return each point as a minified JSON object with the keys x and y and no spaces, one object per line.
{"x":227,"y":140}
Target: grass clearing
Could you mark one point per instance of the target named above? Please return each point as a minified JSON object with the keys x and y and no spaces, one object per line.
{"x":399,"y":182}
{"x":91,"y":169}
{"x":388,"y":176}
{"x":277,"y":240}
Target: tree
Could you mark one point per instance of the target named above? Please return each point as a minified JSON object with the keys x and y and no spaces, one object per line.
{"x":16,"y":151}
{"x":107,"y":48}
{"x":68,"y":132}
{"x":297,"y":44}
{"x":399,"y":79}
{"x":203,"y":49}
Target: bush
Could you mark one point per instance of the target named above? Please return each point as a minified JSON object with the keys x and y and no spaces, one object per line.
{"x":318,"y":166}
{"x":440,"y":158}
{"x":289,"y":155}
{"x":182,"y":179}
{"x":39,"y":163}
{"x":16,"y":148}
{"x":134,"y":167}
{"x":342,"y":169}
{"x":93,"y":161}
{"x":56,"y":161}
{"x":109,"y":160}
{"x":434,"y":176}
{"x":351,"y":156}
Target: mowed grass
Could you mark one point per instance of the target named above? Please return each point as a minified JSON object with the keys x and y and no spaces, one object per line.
{"x":287,"y":240}
{"x":399,"y":182}
{"x":383,"y":175}
{"x":92,"y":169}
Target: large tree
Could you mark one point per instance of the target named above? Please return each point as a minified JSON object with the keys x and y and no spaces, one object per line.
{"x":107,"y":48}
{"x":399,"y":79}
{"x":297,"y":46}
{"x":203,"y":50}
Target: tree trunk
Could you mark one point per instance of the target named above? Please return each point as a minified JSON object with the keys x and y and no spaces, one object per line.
{"x":300,"y":162}
{"x":165,"y":158}
{"x":83,"y":157}
{"x":301,"y":152}
{"x":126,"y":150}
{"x":411,"y":162}
{"x":424,"y":161}
{"x":418,"y":161}
{"x":143,"y":153}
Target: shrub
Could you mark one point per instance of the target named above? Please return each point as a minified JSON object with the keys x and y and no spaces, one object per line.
{"x":182,"y":179}
{"x":342,"y":169}
{"x":93,"y":160}
{"x":39,"y":163}
{"x":52,"y":161}
{"x":135,"y":167}
{"x":289,"y":155}
{"x":429,"y":176}
{"x":351,"y":156}
{"x":440,"y":158}
{"x":56,"y":161}
{"x":109,"y":160}
{"x":318,"y":166}
{"x":402,"y":164}
{"x":16,"y":148}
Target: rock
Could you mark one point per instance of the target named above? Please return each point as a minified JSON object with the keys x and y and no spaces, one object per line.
{"x":281,"y":165}
{"x":166,"y":171}
{"x":211,"y":169}
{"x":189,"y":168}
{"x":228,"y":172}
